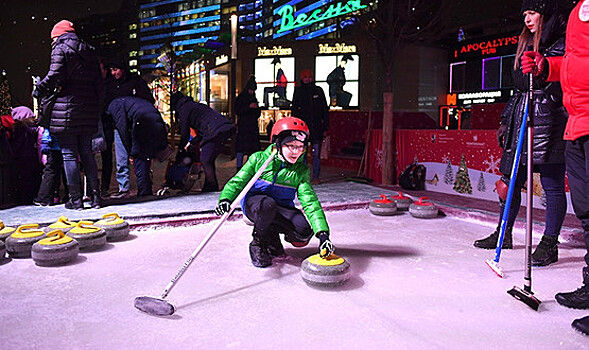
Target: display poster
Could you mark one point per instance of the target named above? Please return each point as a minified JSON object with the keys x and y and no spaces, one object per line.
{"x":276,"y":81}
{"x":338,"y":76}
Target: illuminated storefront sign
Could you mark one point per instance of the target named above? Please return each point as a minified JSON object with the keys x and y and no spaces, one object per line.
{"x":487,"y":47}
{"x":290,"y":22}
{"x":219,"y":60}
{"x":337,"y":48}
{"x":274,"y":51}
{"x":469,"y":98}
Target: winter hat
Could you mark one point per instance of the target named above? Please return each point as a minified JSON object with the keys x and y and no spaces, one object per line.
{"x":62,"y":27}
{"x":22,"y":112}
{"x":306,"y":73}
{"x":543,"y":7}
{"x":251,"y":83}
{"x":117,"y":63}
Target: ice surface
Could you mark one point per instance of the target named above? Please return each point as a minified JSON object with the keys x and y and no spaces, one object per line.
{"x":416,"y":284}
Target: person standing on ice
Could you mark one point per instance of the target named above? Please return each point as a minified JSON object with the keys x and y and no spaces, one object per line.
{"x":543,"y":31}
{"x":571,"y":69}
{"x":269,"y":203}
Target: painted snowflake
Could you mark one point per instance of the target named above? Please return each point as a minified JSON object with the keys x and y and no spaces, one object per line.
{"x":492,"y":164}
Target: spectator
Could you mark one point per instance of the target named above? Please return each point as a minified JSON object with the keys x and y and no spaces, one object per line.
{"x":309,"y":104}
{"x":212,"y":131}
{"x":544,"y":31}
{"x":75,"y":74}
{"x":248,"y":112}
{"x":25,"y":145}
{"x":142,"y":133}
{"x":50,"y":181}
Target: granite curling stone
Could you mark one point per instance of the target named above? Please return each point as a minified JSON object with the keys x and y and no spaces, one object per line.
{"x":56,"y":249}
{"x":115,"y":227}
{"x":328,"y":272}
{"x":383,"y":206}
{"x":2,"y":250}
{"x":403,"y":202}
{"x":88,"y":235}
{"x":5,"y":231}
{"x":423,"y":209}
{"x":62,"y":224}
{"x":20,"y":243}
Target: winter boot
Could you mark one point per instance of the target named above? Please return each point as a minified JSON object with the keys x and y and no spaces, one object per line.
{"x":259,"y":251}
{"x":491,"y":241}
{"x":275,"y":248}
{"x":546,"y":252}
{"x":582,"y":325}
{"x":95,"y":199}
{"x":578,"y":299}
{"x":75,"y":202}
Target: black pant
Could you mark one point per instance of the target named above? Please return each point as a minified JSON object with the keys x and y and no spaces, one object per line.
{"x":143,"y":174}
{"x":577,"y":164}
{"x":107,"y":158}
{"x":51,"y":178}
{"x":265,"y":213}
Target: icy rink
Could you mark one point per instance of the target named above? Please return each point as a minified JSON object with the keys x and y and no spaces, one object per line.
{"x":416,"y":284}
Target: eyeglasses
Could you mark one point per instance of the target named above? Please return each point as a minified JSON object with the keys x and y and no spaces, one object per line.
{"x":294,"y":148}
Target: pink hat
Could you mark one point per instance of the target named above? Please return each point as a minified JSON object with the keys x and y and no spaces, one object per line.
{"x":62,"y":27}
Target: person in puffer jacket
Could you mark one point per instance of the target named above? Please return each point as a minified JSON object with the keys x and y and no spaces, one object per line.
{"x":269,"y":204}
{"x":75,"y":76}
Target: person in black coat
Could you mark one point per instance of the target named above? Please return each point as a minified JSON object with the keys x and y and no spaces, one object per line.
{"x":544,"y":32}
{"x":248,"y":112}
{"x":309,"y":104}
{"x":212,"y":128}
{"x":143,"y":134}
{"x":74,"y":75}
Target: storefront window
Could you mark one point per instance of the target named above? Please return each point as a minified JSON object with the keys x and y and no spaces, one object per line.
{"x":506,"y":69}
{"x":491,"y":73}
{"x":276,"y":80}
{"x":457,"y":77}
{"x":338,"y":76}
{"x":220,"y":89}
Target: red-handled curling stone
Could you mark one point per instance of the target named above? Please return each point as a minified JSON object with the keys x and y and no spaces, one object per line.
{"x":403,"y":202}
{"x":423,"y":209}
{"x":56,"y":249}
{"x":115,"y":227}
{"x":383,"y":206}
{"x":328,"y":272}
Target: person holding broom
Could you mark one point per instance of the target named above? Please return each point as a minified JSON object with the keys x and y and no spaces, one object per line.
{"x":269,"y":203}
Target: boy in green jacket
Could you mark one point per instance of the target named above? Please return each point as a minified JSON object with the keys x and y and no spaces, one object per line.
{"x":269,"y":204}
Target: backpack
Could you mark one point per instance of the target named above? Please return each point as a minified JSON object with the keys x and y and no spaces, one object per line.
{"x":413,"y":177}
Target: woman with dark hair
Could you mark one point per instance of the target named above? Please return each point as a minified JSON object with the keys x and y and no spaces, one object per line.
{"x":544,"y":30}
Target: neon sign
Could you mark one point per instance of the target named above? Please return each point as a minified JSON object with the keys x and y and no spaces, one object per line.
{"x":338,"y":48}
{"x":290,"y":22}
{"x":274,"y":51}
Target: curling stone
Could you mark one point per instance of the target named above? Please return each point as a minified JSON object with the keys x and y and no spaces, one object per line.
{"x":62,"y":224}
{"x":403,"y":202}
{"x":2,"y":250}
{"x":5,"y":231}
{"x":423,"y":209}
{"x":115,"y":227}
{"x":88,"y":235}
{"x":56,"y":249}
{"x":383,"y":206}
{"x":19,"y":244}
{"x":332,"y":271}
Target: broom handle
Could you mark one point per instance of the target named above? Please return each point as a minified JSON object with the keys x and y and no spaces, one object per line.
{"x":206,"y":240}
{"x":529,"y":192}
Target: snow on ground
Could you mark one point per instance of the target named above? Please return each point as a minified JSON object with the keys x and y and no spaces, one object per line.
{"x":416,"y":284}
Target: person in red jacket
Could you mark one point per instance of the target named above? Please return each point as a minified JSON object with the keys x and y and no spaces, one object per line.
{"x":571,"y":70}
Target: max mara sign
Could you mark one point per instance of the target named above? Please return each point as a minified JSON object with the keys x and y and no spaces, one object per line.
{"x":340,"y":8}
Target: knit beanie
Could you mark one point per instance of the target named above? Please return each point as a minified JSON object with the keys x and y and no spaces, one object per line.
{"x":251,"y":83}
{"x":62,"y":27}
{"x":543,"y":7}
{"x":22,"y":112}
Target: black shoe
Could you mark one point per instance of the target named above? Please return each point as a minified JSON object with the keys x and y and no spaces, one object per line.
{"x":259,"y":255}
{"x":546,"y":252}
{"x":491,"y":241}
{"x":96,"y":201}
{"x":41,"y":204}
{"x":76,"y":204}
{"x":120,"y":195}
{"x":582,"y":325}
{"x":578,"y":299}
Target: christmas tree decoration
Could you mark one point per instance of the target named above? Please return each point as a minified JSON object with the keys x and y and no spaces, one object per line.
{"x":5,"y":98}
{"x":449,"y":176}
{"x":481,"y":187}
{"x":462,"y":182}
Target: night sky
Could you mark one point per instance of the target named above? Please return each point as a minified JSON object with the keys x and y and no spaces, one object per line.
{"x":25,"y":43}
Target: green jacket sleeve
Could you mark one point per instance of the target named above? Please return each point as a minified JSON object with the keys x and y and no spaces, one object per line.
{"x":311,"y":205}
{"x":236,"y":184}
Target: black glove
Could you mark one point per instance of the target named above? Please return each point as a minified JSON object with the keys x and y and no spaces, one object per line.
{"x":36,"y":94}
{"x":223,"y":207}
{"x":326,"y":248}
{"x":501,"y":135}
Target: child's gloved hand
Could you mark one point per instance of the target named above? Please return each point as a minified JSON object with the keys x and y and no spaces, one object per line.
{"x":326,"y":248}
{"x":223,"y":207}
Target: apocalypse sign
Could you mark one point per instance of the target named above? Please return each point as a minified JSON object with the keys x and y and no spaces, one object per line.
{"x":290,"y":22}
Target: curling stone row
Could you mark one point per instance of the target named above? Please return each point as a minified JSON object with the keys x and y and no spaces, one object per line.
{"x":19,"y":244}
{"x":328,"y":272}
{"x":5,"y":231}
{"x":390,"y":206}
{"x":423,"y":209}
{"x":56,"y":249}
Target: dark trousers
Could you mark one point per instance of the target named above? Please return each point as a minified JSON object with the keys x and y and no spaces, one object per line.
{"x":577,"y":165}
{"x":143,"y":174}
{"x":208,"y":154}
{"x":552,"y":179}
{"x":266,"y":214}
{"x":51,"y":178}
{"x":72,"y":147}
{"x":107,"y":160}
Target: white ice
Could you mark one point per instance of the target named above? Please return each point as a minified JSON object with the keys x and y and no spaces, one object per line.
{"x":416,"y":284}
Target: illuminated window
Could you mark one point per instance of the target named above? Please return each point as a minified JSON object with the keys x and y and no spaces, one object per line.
{"x":338,"y":76}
